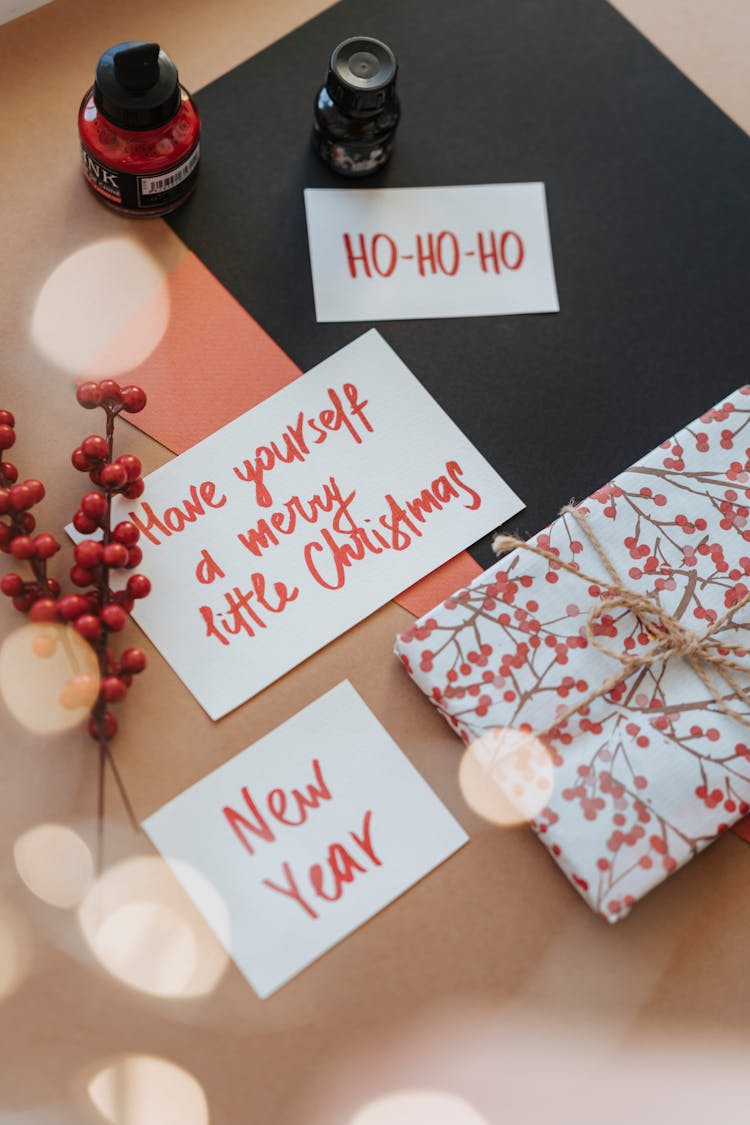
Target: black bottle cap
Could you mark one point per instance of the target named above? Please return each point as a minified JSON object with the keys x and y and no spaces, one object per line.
{"x":362,"y":75}
{"x":136,"y":86}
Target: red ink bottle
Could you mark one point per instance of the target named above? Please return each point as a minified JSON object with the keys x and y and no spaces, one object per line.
{"x":139,"y":132}
{"x":357,"y":109}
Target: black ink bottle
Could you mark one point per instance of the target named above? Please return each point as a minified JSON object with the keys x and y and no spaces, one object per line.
{"x":357,"y":109}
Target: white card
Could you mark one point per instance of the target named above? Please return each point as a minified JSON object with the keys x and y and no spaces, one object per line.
{"x":252,"y":576}
{"x":415,"y":253}
{"x":305,"y":835}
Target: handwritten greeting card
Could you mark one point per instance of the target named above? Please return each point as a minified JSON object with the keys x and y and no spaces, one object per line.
{"x":408,"y":253}
{"x":283,"y":529}
{"x":305,"y":835}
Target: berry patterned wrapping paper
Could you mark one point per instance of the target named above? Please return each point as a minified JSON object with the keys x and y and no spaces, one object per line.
{"x":647,"y":776}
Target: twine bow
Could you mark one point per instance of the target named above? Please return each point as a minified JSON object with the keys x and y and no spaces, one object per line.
{"x":708,"y":658}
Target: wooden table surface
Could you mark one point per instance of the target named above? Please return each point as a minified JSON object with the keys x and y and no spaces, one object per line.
{"x":489,"y":989}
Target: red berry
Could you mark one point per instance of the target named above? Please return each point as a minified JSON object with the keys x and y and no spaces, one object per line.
{"x":7,"y":436}
{"x":53,"y":587}
{"x":23,"y":602}
{"x":9,"y":471}
{"x":83,"y":523}
{"x":46,"y":546}
{"x":88,"y":395}
{"x":95,"y":447}
{"x":113,"y":689}
{"x":23,"y":547}
{"x":115,"y":554}
{"x":110,"y":392}
{"x":138,"y":586}
{"x":44,"y":609}
{"x":135,"y":557}
{"x":126,"y":601}
{"x":80,"y":576}
{"x":134,"y":490}
{"x":103,"y":728}
{"x":95,"y":476}
{"x":6,"y":418}
{"x":131,"y":464}
{"x":133,"y":660}
{"x":133,"y":399}
{"x":37,"y":489}
{"x":110,"y":725}
{"x":114,"y":617}
{"x":21,"y":497}
{"x":27,"y":522}
{"x":114,"y":475}
{"x":88,"y":626}
{"x":126,"y":533}
{"x":88,"y":554}
{"x":6,"y":535}
{"x":11,"y":585}
{"x":72,"y":606}
{"x":80,"y":461}
{"x":94,"y":505}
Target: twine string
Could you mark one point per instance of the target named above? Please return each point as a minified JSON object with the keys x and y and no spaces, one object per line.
{"x":712,"y":662}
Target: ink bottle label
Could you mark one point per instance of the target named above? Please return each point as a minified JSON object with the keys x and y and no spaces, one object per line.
{"x":107,"y":181}
{"x":351,"y":159}
{"x":167,"y":185}
{"x":141,"y":193}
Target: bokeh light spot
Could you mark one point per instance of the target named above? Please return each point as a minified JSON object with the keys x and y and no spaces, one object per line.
{"x":140,"y":1089}
{"x":419,"y":1107}
{"x":148,"y":945}
{"x":91,"y":295}
{"x":147,"y":932}
{"x":55,"y":864}
{"x":36,"y":685}
{"x":15,"y":948}
{"x":506,"y":776}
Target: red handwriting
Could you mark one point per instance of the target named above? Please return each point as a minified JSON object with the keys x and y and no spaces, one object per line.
{"x":506,"y":248}
{"x":283,"y":521}
{"x":378,"y":255}
{"x":348,"y":542}
{"x":240,"y":615}
{"x":329,"y":557}
{"x":277,"y":802}
{"x":294,"y":445}
{"x":291,"y":809}
{"x":208,"y":570}
{"x":381,"y":259}
{"x":327,"y":880}
{"x":174,"y":520}
{"x":331,"y":501}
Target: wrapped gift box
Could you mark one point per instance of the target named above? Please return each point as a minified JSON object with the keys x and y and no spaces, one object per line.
{"x":648,"y":775}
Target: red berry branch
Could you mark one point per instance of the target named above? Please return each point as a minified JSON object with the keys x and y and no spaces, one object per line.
{"x":96,"y":611}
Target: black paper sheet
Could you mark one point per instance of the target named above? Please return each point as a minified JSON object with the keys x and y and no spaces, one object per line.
{"x":648,"y":191}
